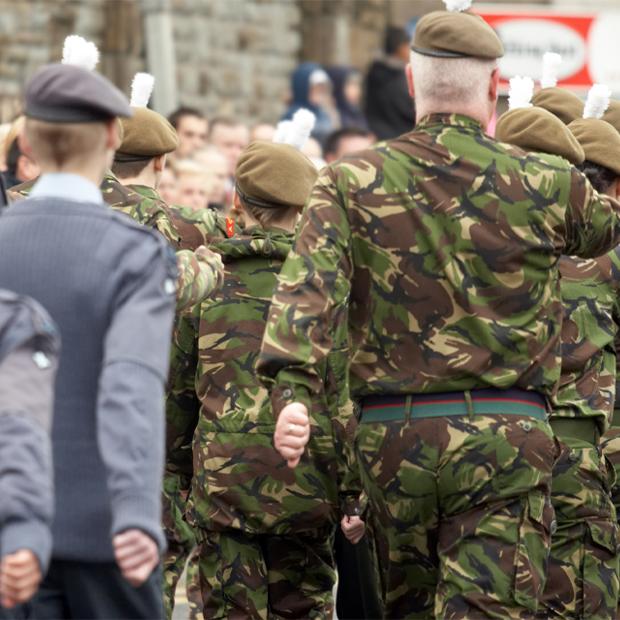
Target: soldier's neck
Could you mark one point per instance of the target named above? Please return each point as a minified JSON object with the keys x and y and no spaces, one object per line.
{"x":145,"y":178}
{"x":92,"y":173}
{"x":482,"y":114}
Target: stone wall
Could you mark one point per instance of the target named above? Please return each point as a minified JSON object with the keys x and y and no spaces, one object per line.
{"x":233,"y":57}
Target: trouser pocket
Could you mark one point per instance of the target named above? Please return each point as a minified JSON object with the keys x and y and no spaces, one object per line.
{"x":533,"y":546}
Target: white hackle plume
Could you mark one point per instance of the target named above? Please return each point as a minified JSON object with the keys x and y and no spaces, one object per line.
{"x":550,"y":67}
{"x":457,"y":6}
{"x":141,"y":89}
{"x":597,"y":102}
{"x":282,"y":130}
{"x":521,"y":92}
{"x":79,"y":52}
{"x":300,"y":129}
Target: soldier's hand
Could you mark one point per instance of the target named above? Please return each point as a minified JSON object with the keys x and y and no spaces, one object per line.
{"x":292,"y":433}
{"x":213,"y":258}
{"x":353,"y":528}
{"x":20,"y":576}
{"x":136,"y":554}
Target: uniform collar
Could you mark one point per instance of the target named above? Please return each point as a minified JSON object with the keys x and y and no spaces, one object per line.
{"x":453,"y":120}
{"x":66,"y":186}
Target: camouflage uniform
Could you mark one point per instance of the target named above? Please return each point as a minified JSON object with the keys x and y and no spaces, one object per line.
{"x":439,"y":251}
{"x":265,"y":530}
{"x":583,"y":564}
{"x":182,"y":407}
{"x":610,"y":444}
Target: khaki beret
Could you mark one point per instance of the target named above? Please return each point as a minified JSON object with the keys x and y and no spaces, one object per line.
{"x":272,"y":175}
{"x":60,"y":93}
{"x":612,"y":115}
{"x":535,"y":129}
{"x":561,"y":102}
{"x":146,"y":134}
{"x":452,"y":34}
{"x":600,"y":142}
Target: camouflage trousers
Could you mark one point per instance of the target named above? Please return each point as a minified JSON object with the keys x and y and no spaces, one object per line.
{"x":611,"y":449}
{"x":582,"y":577}
{"x":463,"y":502}
{"x":263,"y":576}
{"x":180,"y":544}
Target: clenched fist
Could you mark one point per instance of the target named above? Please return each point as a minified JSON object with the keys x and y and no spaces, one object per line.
{"x":292,"y":433}
{"x":20,"y":576}
{"x":353,"y":528}
{"x":136,"y":555}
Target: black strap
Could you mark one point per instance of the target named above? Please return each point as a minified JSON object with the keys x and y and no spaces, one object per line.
{"x":437,"y":53}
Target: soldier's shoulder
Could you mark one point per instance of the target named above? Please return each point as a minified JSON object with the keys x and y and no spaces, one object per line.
{"x":118,"y":195}
{"x":534,"y":158}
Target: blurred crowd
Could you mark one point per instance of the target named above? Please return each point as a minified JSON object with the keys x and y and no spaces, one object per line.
{"x":352,"y":110}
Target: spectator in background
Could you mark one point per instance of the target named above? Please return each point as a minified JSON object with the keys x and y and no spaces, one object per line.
{"x":262,"y":131}
{"x":389,"y":108}
{"x":311,"y":89}
{"x":230,"y":137}
{"x":192,"y":126}
{"x":345,"y":141}
{"x":19,"y":167}
{"x":314,"y":152}
{"x":192,"y":187}
{"x":167,"y":186}
{"x":215,"y":166}
{"x":347,"y":90}
{"x":5,"y":128}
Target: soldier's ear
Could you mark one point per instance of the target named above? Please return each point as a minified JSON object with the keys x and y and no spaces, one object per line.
{"x":410,"y":86}
{"x":24,"y":145}
{"x":113,"y":139}
{"x":494,"y":85}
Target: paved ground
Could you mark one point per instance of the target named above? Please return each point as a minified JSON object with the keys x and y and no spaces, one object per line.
{"x":181,"y":608}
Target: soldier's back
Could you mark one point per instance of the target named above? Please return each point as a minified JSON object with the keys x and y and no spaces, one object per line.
{"x":455,"y":239}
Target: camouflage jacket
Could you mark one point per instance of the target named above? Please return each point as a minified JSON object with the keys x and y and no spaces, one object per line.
{"x":439,"y":250}
{"x":591,"y":299}
{"x":240,"y":481}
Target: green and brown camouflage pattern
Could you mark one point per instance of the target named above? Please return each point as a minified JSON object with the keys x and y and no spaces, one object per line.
{"x":582,"y":574}
{"x":267,"y":577}
{"x":610,"y":446}
{"x":463,"y":504}
{"x":240,"y":481}
{"x":439,"y":251}
{"x":591,"y":304}
{"x":180,"y":541}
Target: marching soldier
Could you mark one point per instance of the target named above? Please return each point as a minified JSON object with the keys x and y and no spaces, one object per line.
{"x":29,"y":347}
{"x":582,"y":570}
{"x":109,"y":285}
{"x":438,"y":251}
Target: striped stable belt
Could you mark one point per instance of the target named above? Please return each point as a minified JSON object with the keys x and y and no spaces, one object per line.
{"x":472,"y":402}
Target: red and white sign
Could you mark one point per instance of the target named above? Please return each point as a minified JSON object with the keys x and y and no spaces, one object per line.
{"x":588,"y":42}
